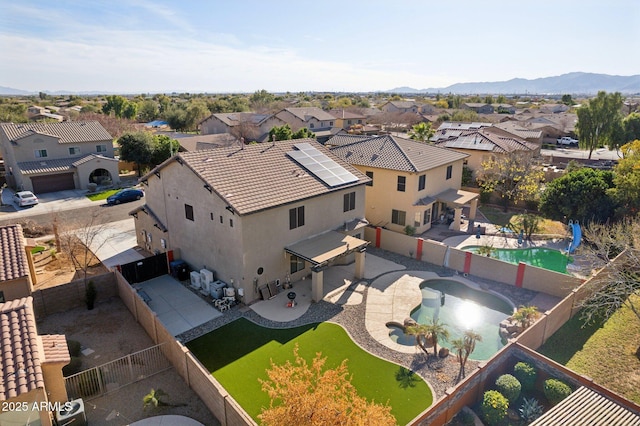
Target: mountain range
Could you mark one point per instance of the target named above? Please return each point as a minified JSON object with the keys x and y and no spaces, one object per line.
{"x":580,"y":83}
{"x":571,"y":83}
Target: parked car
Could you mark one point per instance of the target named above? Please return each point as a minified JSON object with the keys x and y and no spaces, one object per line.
{"x":25,"y":198}
{"x":125,"y":195}
{"x":566,"y":140}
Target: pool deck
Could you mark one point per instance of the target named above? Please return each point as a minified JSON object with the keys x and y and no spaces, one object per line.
{"x":504,"y":241}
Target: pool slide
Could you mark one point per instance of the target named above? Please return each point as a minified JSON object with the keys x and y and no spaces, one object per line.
{"x":576,"y":236}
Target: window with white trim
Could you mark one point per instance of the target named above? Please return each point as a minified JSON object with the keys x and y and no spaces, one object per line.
{"x":41,"y":153}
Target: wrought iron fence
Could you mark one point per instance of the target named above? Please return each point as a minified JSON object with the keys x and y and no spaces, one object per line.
{"x":113,"y":375}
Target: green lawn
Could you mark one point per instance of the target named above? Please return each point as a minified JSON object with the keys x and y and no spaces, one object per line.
{"x":239,"y":353}
{"x":102,"y":195}
{"x":605,"y":353}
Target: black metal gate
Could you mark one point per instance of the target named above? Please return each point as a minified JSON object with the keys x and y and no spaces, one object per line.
{"x":145,"y":269}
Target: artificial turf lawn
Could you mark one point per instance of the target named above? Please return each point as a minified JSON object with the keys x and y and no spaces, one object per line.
{"x":102,"y":195}
{"x":239,"y":353}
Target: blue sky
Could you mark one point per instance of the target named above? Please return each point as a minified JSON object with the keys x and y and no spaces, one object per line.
{"x":145,"y":46}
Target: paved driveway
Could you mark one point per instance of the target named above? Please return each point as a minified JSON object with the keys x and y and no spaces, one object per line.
{"x":50,"y":202}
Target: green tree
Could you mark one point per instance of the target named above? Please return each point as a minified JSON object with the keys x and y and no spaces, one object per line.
{"x":115,"y":104}
{"x":488,"y":99}
{"x":501,"y":99}
{"x":433,"y":332}
{"x":303,"y":133}
{"x":583,"y":194}
{"x":464,"y":347}
{"x":261,"y":99}
{"x":421,"y":132}
{"x":631,"y":126}
{"x":567,"y":100}
{"x":163,"y":148}
{"x":137,"y":148}
{"x":195,"y":113}
{"x":514,"y":176}
{"x":130,"y":111}
{"x":176,"y":117}
{"x":464,"y":115}
{"x":148,"y":110}
{"x":600,"y":122}
{"x":281,"y":133}
{"x":626,"y":192}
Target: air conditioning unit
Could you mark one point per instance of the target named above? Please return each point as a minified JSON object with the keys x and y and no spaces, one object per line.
{"x":206,"y":276}
{"x":72,"y":413}
{"x":206,"y":288}
{"x":195,"y":279}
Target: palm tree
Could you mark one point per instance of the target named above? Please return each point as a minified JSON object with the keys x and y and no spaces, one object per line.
{"x":470,"y":338}
{"x":420,"y":332}
{"x":525,"y":315}
{"x":459,"y":347}
{"x":437,"y":331}
{"x":421,"y":132}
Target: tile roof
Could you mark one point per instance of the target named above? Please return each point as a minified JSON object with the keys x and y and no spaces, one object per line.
{"x":395,"y":153}
{"x":90,"y":157}
{"x":305,"y":114}
{"x":193,"y":143}
{"x":20,"y":368}
{"x":66,"y":131}
{"x":236,"y":118}
{"x":487,"y":139}
{"x":587,"y":407}
{"x":46,"y":166}
{"x":341,"y":113}
{"x":259,"y":176}
{"x":13,"y":258}
{"x":55,"y":349}
{"x":345,"y":139}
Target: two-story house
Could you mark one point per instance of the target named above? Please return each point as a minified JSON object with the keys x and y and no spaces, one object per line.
{"x":248,"y":125}
{"x":47,"y":157}
{"x":320,"y":122}
{"x":412,"y":183}
{"x":256,"y":213}
{"x":401,"y":107}
{"x":347,"y":119}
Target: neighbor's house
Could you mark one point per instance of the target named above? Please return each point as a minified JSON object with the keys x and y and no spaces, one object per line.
{"x":412,"y":183}
{"x":47,"y":157}
{"x":347,"y":119}
{"x":400,"y":107}
{"x":318,"y":121}
{"x":31,"y":366}
{"x":197,"y":142}
{"x":480,"y":108}
{"x":257,"y":213}
{"x":247,"y":125}
{"x":485,"y":144}
{"x":15,"y":270}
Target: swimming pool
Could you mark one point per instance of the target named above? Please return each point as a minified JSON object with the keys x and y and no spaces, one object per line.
{"x":553,"y":260}
{"x":462,"y":308}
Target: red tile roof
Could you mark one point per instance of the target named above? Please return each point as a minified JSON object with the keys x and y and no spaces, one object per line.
{"x":55,"y":348}
{"x":20,"y":369}
{"x":13,"y":258}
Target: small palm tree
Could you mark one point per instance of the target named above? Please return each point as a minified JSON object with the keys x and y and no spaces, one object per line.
{"x":525,"y":315}
{"x":154,"y":398}
{"x":470,"y":339}
{"x":420,"y":332}
{"x":436,"y":332}
{"x":459,"y":347}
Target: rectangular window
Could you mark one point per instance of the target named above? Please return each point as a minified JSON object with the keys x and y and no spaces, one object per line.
{"x":402,"y":183}
{"x":331,"y":123}
{"x":449,"y":172}
{"x":417,"y":218}
{"x":427,"y":216}
{"x":41,"y":153}
{"x":231,"y":223}
{"x":311,"y":125}
{"x":422,"y":182}
{"x":74,"y":150}
{"x":369,"y":175}
{"x":296,"y":217}
{"x":398,"y":217}
{"x":188,"y":211}
{"x":349,"y":201}
{"x":211,"y":216}
{"x":101,"y":148}
{"x":297,"y":264}
{"x":221,"y":219}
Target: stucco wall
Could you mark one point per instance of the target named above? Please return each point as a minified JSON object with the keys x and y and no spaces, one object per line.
{"x":16,"y":289}
{"x":25,"y":150}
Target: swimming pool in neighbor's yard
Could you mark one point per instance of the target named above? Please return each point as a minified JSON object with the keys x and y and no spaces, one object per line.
{"x":460,"y":308}
{"x":542,"y":257}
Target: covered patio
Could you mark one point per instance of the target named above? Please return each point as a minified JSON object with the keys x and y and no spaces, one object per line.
{"x":457,"y":199}
{"x":323,"y":250}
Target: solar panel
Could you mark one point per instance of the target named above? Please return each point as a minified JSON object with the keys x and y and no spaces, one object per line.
{"x":321,"y":166}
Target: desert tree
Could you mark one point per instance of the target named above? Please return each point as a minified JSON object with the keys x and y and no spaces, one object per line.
{"x":514,"y":176}
{"x":600,"y":122}
{"x":311,"y":394}
{"x":137,"y":147}
{"x":626,"y":179}
{"x":617,"y":248}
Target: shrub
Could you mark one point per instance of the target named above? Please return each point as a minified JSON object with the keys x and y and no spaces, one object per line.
{"x":509,"y":386}
{"x":530,"y":409}
{"x":494,"y":407}
{"x":485,"y":197}
{"x":73,"y":367}
{"x":74,"y":347}
{"x":556,"y":390}
{"x":526,"y":374}
{"x":90,"y":295}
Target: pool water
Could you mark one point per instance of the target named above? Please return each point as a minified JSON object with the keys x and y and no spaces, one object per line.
{"x":461,"y":309}
{"x":553,"y":260}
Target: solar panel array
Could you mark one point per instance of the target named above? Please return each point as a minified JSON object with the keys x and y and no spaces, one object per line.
{"x":321,"y":166}
{"x":469,"y":142}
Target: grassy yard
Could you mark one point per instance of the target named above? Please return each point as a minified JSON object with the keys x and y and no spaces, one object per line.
{"x":239,"y":353}
{"x":500,"y":217}
{"x":605,"y":353}
{"x":98,"y":196}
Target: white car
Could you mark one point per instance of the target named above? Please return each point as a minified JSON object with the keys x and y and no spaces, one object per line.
{"x":566,"y":140}
{"x":25,"y":198}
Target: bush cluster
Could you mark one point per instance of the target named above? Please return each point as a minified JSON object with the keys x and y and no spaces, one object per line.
{"x":494,"y":407}
{"x":526,"y":374}
{"x":556,"y":390}
{"x":509,"y":386}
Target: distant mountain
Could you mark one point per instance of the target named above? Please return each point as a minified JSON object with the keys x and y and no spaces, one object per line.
{"x":11,"y":91}
{"x":572,"y":83}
